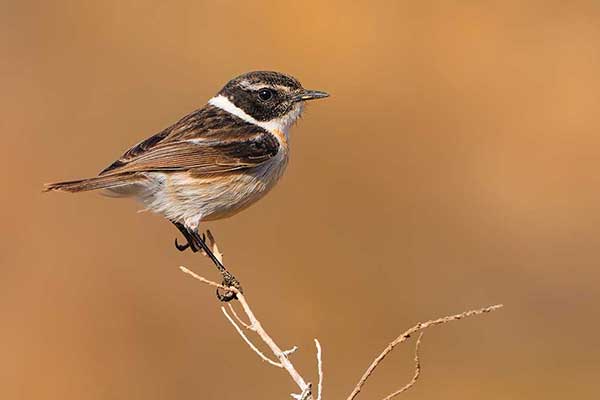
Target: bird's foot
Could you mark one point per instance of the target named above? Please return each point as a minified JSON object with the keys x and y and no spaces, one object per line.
{"x":190,"y":245}
{"x":181,"y":247}
{"x":197,"y":243}
{"x":231,"y":282}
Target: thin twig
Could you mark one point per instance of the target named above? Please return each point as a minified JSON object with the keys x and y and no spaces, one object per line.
{"x":415,"y":376}
{"x":319,"y":369}
{"x":277,"y":352}
{"x":284,"y":362}
{"x":306,"y":393}
{"x":213,"y":245}
{"x":406,"y":335}
{"x":290,"y":351}
{"x":244,"y":324}
{"x":248,"y":342}
{"x":256,"y":326}
{"x":204,"y":280}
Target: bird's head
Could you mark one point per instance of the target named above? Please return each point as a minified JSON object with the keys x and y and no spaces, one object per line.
{"x":270,"y":99}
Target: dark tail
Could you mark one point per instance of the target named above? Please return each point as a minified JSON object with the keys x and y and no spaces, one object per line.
{"x":99,"y":182}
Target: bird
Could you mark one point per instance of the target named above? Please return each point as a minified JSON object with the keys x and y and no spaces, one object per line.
{"x":214,"y":162}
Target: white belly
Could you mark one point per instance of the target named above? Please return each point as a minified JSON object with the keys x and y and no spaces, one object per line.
{"x":181,"y":197}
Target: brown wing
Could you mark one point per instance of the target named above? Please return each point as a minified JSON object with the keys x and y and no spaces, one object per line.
{"x":205,"y":156}
{"x":209,"y":141}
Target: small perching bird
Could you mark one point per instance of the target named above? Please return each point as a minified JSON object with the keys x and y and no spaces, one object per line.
{"x":214,"y":162}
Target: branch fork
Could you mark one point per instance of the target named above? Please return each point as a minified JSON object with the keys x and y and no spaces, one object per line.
{"x":281,"y":357}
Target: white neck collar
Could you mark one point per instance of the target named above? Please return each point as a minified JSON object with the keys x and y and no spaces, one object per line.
{"x":281,"y":124}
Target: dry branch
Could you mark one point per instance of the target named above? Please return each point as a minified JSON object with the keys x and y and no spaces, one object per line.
{"x":256,"y":326}
{"x":248,"y":342}
{"x":283,"y":362}
{"x":415,"y":376}
{"x":319,"y":369}
{"x":406,"y":335}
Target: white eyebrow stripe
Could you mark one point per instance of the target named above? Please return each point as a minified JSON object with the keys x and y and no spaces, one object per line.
{"x":257,"y":86}
{"x":252,"y":86}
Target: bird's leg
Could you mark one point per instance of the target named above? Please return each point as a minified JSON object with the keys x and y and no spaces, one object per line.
{"x":197,"y":242}
{"x":228,"y":279}
{"x":190,"y":240}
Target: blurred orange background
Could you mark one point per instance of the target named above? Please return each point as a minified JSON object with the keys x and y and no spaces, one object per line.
{"x":455,"y":166}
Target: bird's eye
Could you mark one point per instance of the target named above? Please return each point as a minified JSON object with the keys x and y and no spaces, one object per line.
{"x":265,"y":94}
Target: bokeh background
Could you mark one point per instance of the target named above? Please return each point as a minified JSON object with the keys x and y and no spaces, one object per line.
{"x":455,"y":166}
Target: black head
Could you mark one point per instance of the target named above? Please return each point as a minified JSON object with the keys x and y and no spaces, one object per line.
{"x":267,"y":95}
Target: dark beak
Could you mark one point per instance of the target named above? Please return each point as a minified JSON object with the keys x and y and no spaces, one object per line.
{"x":310,"y":95}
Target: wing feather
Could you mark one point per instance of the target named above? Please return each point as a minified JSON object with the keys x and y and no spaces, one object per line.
{"x":209,"y":157}
{"x":209,"y":141}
